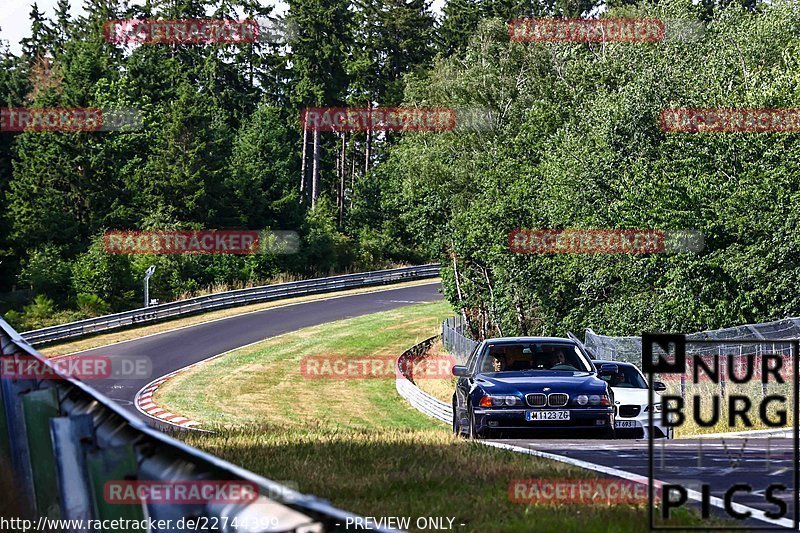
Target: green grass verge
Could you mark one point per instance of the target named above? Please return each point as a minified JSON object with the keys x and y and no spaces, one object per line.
{"x":263,"y":383}
{"x":361,"y":446}
{"x":421,"y":473}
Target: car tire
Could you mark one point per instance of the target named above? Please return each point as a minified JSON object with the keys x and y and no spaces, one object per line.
{"x":456,"y":423}
{"x":473,"y":433}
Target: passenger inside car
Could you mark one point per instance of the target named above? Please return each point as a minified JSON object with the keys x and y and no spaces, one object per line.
{"x":498,"y":363}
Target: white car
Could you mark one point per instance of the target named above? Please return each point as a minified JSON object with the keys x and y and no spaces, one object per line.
{"x":630,"y":402}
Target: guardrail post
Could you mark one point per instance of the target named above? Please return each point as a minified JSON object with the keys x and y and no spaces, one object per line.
{"x":19,"y":454}
{"x":39,"y":407}
{"x":5,"y":437}
{"x":116,"y":464}
{"x":72,"y":437}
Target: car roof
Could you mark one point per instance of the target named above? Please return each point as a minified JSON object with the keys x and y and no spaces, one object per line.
{"x":499,"y":340}
{"x":618,"y":363}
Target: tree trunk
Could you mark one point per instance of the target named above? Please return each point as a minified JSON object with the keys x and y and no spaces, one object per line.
{"x":315,"y":171}
{"x":352,"y":181}
{"x":458,"y":290}
{"x":335,"y":190}
{"x":523,"y":327}
{"x":303,"y":164}
{"x":368,"y":151}
{"x":342,"y":174}
{"x":493,"y":308}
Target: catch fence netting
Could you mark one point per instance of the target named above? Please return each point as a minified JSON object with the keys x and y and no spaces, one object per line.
{"x":456,"y":340}
{"x":629,"y":349}
{"x":745,"y":352}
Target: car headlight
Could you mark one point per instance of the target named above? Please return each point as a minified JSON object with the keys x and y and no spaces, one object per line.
{"x":656,"y":407}
{"x":582,"y":399}
{"x":491,"y":400}
{"x":599,"y":399}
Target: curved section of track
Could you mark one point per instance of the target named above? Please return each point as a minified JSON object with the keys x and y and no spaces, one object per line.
{"x":629,"y":459}
{"x":173,"y":350}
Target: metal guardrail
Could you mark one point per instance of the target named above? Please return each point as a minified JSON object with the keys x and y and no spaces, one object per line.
{"x":420,"y":400}
{"x":64,"y":441}
{"x":228,"y":299}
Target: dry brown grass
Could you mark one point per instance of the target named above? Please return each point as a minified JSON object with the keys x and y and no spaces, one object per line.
{"x":440,"y":388}
{"x":419,"y":473}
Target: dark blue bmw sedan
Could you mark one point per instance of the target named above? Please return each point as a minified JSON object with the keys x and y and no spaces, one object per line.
{"x":532,"y":383}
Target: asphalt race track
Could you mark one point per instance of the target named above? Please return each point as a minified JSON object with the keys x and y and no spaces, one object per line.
{"x":717,"y":462}
{"x":173,"y":350}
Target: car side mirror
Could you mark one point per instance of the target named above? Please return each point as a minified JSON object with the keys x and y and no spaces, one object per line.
{"x":460,"y":371}
{"x":658,"y":386}
{"x":607,"y":369}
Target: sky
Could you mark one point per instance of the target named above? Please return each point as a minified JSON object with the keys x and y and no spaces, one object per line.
{"x":14,"y":23}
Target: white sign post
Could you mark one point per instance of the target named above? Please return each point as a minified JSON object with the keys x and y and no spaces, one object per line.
{"x":150,"y":270}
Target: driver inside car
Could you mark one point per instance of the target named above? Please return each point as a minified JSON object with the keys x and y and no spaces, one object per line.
{"x":618,"y":380}
{"x":498,"y":363}
{"x":557,"y":358}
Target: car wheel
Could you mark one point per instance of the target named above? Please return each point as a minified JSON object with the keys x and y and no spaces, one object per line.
{"x":456,"y":423}
{"x":473,"y":432}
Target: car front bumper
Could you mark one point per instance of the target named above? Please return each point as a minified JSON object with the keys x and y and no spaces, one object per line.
{"x":636,"y":427}
{"x":515,"y":418}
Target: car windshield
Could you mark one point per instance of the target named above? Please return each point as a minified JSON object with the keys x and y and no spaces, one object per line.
{"x":628,"y":377}
{"x":511,"y":357}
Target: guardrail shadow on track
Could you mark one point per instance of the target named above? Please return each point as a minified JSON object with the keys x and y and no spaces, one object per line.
{"x":65,"y":442}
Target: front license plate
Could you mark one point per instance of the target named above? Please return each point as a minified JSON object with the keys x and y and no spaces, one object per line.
{"x":532,"y":416}
{"x":625,"y":424}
